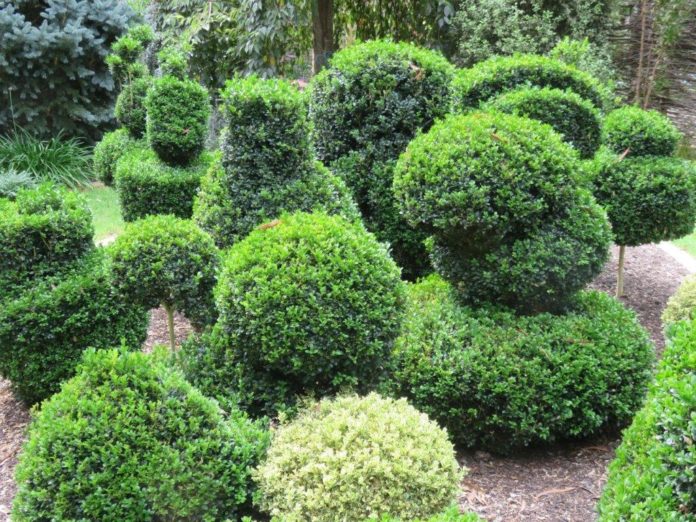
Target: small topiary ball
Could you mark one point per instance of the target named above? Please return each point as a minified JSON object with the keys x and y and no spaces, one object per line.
{"x":129,"y":439}
{"x":498,"y":381}
{"x":177,"y":119}
{"x":574,"y":118}
{"x":641,"y":132}
{"x":130,"y":106}
{"x":682,"y":305}
{"x":355,"y":458}
{"x":164,"y":260}
{"x":108,"y":151}
{"x":649,"y":199}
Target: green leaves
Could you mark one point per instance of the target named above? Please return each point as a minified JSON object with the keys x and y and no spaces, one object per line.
{"x":640,"y":132}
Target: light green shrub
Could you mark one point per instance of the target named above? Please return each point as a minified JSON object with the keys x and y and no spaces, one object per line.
{"x":682,"y":305}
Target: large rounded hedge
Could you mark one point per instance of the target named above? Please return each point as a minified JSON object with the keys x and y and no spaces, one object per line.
{"x":575,"y":118}
{"x":647,"y":199}
{"x":641,"y":132}
{"x":365,"y":108}
{"x":147,"y":186}
{"x":487,"y":80}
{"x":177,"y":119}
{"x":47,"y":327}
{"x":499,"y":381}
{"x":308,"y":304}
{"x":43,"y":230}
{"x":130,"y":107}
{"x":129,"y":439}
{"x":354,"y":458}
{"x":164,"y":260}
{"x":108,"y":151}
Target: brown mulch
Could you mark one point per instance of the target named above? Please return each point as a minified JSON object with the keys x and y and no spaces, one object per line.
{"x":560,"y":484}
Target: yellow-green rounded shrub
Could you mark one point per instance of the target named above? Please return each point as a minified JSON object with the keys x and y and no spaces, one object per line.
{"x":682,"y":305}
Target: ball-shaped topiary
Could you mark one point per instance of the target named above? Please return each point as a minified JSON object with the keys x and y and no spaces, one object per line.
{"x":129,"y":439}
{"x":177,"y":119}
{"x":130,"y":106}
{"x":108,"y":151}
{"x":45,"y":328}
{"x":575,"y":118}
{"x":640,"y":132}
{"x":647,"y":199}
{"x":682,"y":305}
{"x":354,"y":458}
{"x":487,"y":80}
{"x":164,"y":260}
{"x":308,"y":304}
{"x":500,"y":382}
{"x":365,"y":108}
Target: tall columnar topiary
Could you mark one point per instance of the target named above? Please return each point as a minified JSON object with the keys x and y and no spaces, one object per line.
{"x":129,"y":439}
{"x":358,"y":458}
{"x":267,"y":165}
{"x":163,"y":260}
{"x":52,"y":69}
{"x":510,"y":219}
{"x":365,"y":108}
{"x":309,"y":304}
{"x":639,"y":132}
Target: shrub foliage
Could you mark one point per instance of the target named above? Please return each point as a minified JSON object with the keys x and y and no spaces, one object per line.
{"x":682,"y":305}
{"x":108,"y":151}
{"x":130,"y":107}
{"x":641,"y":132}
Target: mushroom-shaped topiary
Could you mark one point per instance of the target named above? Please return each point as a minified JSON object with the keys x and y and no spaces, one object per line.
{"x":358,"y":458}
{"x":639,"y":132}
{"x":163,"y":260}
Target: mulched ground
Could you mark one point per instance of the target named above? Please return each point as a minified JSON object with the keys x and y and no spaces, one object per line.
{"x":560,"y":484}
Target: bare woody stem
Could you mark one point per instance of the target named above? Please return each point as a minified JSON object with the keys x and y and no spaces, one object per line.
{"x":620,"y":278}
{"x":170,"y":324}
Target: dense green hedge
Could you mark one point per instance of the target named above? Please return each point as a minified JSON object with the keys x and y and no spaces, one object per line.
{"x":641,"y":132}
{"x":365,"y":108}
{"x":130,"y":107}
{"x":487,"y":80}
{"x":44,"y":331}
{"x":108,"y":151}
{"x":41,"y":232}
{"x":500,"y":381}
{"x":648,"y":199}
{"x":653,"y":476}
{"x":308,"y":304}
{"x":147,"y":186}
{"x":574,"y":118}
{"x":353,"y":458}
{"x":129,"y":439}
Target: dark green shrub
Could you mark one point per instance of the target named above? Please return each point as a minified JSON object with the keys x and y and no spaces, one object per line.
{"x":164,"y":260}
{"x":365,"y":108}
{"x":45,"y":329}
{"x":487,"y":80}
{"x":324,"y":465}
{"x":500,"y":381}
{"x":130,"y":106}
{"x":641,"y":132}
{"x":108,"y":151}
{"x":267,"y":166}
{"x":308,"y":304}
{"x":502,"y":196}
{"x":129,"y":439}
{"x":41,"y":232}
{"x":177,"y":119}
{"x":147,"y":186}
{"x":12,"y":181}
{"x":653,"y":475}
{"x":570,"y":115}
{"x":649,"y":199}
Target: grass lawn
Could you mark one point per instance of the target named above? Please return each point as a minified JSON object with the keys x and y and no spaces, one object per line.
{"x":106,"y":211}
{"x":687,"y":243}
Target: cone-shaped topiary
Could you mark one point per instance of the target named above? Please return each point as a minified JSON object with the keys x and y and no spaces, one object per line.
{"x":640,"y":132}
{"x":357,"y":458}
{"x":129,"y":439}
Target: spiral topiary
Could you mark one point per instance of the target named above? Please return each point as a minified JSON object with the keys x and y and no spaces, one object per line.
{"x":640,"y":132}
{"x":356,"y":458}
{"x":130,"y":106}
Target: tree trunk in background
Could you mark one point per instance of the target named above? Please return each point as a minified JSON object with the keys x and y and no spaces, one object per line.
{"x":322,"y":28}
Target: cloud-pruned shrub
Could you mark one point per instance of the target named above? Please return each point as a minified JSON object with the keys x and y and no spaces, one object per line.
{"x":640,"y":132}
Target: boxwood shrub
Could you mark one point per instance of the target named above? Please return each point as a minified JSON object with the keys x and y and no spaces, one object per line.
{"x":177,"y":119}
{"x":641,"y":132}
{"x":130,"y":106}
{"x":648,"y":199}
{"x":129,"y":439}
{"x":45,"y":328}
{"x":147,"y":186}
{"x":354,"y":458}
{"x":450,"y":515}
{"x":575,"y":118}
{"x":365,"y":108}
{"x":488,"y":79}
{"x":682,"y":305}
{"x":108,"y":151}
{"x":42,"y":231}
{"x":500,"y":382}
{"x":309,"y":304}
{"x":653,"y":475}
